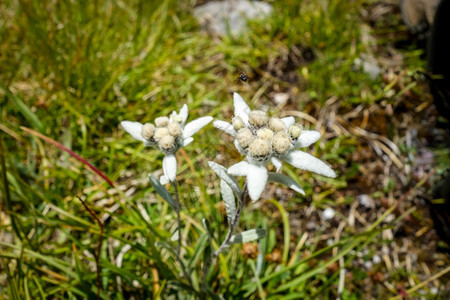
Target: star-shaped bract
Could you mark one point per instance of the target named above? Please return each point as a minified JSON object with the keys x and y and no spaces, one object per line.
{"x":169,"y":135}
{"x":261,"y":139}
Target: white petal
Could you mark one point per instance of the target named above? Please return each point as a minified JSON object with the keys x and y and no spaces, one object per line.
{"x":172,"y":115}
{"x":241,"y":108}
{"x":184,"y":113}
{"x":239,"y":169}
{"x":288,"y":121}
{"x":170,"y":167}
{"x":276,"y":162}
{"x":187,"y":141}
{"x":305,"y":161}
{"x":256,"y":181}
{"x":133,"y":128}
{"x":243,"y":116}
{"x":225,"y":127}
{"x":307,"y":138}
{"x":287,"y":181}
{"x":239,"y":104}
{"x":164,"y":180}
{"x":194,"y":126}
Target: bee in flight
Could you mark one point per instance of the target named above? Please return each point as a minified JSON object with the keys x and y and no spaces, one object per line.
{"x":242,"y":77}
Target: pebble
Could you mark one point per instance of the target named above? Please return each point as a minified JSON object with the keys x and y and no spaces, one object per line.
{"x":328,"y":214}
{"x":366,"y":201}
{"x":217,"y":16}
{"x":376,"y":259}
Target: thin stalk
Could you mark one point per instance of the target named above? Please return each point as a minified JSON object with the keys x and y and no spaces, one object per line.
{"x":177,"y":200}
{"x":99,"y":246}
{"x":185,"y":270}
{"x":225,"y":244}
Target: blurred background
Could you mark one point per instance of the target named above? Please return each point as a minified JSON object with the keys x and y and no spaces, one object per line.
{"x":355,"y":70}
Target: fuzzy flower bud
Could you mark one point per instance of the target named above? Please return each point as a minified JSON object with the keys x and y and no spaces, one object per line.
{"x":244,"y":137}
{"x":265,"y":134}
{"x":258,"y":118}
{"x":161,"y":121}
{"x":281,"y":143}
{"x":174,"y":129}
{"x":295,"y":130}
{"x":167,"y":142}
{"x":160,"y":133}
{"x":177,"y":118}
{"x":260,"y":149}
{"x":147,"y":131}
{"x":237,"y":123}
{"x":276,"y":124}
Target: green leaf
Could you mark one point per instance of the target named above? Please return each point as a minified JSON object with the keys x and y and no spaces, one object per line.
{"x":199,"y":251}
{"x":286,"y":228}
{"x":207,"y":226}
{"x":23,"y":108}
{"x":248,"y":236}
{"x":228,"y":198}
{"x":163,"y":192}
{"x":221,"y":171}
{"x":286,"y":180}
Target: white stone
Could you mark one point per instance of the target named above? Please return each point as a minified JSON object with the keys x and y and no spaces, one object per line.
{"x":280,"y":98}
{"x":366,"y":201}
{"x":328,"y":213}
{"x":376,"y":259}
{"x":218,"y":16}
{"x":434,"y":290}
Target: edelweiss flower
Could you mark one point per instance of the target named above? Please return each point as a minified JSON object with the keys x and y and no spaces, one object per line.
{"x":262,"y":138}
{"x":167,"y":134}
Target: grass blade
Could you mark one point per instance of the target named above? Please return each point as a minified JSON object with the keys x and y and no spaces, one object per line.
{"x":73,"y":154}
{"x":23,"y":108}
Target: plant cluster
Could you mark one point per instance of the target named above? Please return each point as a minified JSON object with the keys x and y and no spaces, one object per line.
{"x":258,"y":137}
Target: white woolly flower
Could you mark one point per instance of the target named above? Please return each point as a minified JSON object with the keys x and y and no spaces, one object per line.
{"x":262,"y":139}
{"x":169,"y":135}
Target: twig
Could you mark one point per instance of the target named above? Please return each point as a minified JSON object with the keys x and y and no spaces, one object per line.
{"x":99,"y":245}
{"x":414,"y":288}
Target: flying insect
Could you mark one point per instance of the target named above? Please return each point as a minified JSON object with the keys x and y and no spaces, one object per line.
{"x":242,"y":77}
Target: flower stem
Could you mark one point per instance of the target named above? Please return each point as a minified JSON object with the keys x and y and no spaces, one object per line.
{"x":225,"y":244}
{"x":177,"y":200}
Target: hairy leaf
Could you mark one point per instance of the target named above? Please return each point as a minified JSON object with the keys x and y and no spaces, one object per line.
{"x":248,"y":236}
{"x":228,"y":198}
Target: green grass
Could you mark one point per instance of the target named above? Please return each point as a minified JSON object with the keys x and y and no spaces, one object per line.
{"x":72,"y":70}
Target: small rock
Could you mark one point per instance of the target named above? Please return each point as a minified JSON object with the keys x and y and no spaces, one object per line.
{"x":434,"y":290}
{"x":376,"y":259}
{"x":311,"y":225}
{"x":389,"y":218}
{"x":280,"y":98}
{"x":366,"y":201}
{"x":368,"y":265}
{"x":328,"y":214}
{"x":218,"y":16}
{"x":369,"y":68}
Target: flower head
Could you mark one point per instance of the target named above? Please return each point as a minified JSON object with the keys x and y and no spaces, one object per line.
{"x":261,"y":139}
{"x":168,"y":134}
